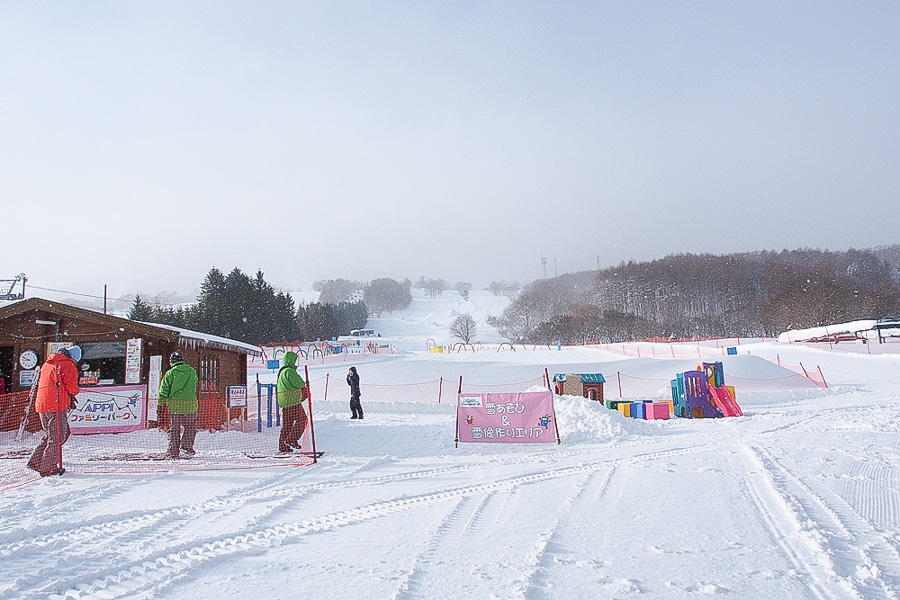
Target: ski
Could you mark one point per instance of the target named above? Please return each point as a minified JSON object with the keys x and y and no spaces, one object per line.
{"x":30,"y":405}
{"x":282,"y":454}
{"x":13,"y":454}
{"x":127,"y":456}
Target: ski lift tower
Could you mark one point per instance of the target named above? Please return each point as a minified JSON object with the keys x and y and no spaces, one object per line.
{"x":9,"y":294}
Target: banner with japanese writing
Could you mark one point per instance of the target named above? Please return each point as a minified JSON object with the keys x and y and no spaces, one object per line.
{"x":109,"y":409}
{"x":521,"y":417}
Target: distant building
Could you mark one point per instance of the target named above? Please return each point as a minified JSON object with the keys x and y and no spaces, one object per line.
{"x":589,"y":385}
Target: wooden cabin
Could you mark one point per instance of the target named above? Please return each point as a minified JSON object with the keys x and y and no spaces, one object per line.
{"x":121,"y":358}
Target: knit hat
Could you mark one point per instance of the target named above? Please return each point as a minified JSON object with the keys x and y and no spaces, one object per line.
{"x":74,"y":352}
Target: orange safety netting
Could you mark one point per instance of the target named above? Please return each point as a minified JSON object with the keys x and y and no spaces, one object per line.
{"x":660,"y":350}
{"x":814,"y":375}
{"x":434,"y":391}
{"x":621,"y":385}
{"x":246,"y":437}
{"x":227,"y":438}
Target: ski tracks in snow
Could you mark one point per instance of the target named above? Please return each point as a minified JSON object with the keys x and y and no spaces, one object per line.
{"x":478,"y":518}
{"x":156,"y":567}
{"x":851,"y":552}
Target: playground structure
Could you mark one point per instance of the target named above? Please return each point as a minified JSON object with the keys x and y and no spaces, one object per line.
{"x":459,"y":346}
{"x":702,"y":394}
{"x":643,"y":409}
{"x":320,"y":351}
{"x":589,"y":385}
{"x":698,"y":394}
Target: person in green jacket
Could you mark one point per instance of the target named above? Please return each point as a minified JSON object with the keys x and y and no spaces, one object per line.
{"x":291,"y":393}
{"x":178,"y":392}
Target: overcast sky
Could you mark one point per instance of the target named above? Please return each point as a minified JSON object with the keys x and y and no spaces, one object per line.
{"x":143,"y":143}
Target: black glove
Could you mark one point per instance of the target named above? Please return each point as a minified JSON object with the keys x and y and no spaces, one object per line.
{"x":72,"y":404}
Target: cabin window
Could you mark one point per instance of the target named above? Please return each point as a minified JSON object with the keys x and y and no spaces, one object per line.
{"x":209,"y":373}
{"x":102,"y":363}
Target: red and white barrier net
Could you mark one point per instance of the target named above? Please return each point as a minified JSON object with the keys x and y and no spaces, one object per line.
{"x":227,"y":438}
{"x":628,"y":386}
{"x":242,"y":438}
{"x":333,"y":389}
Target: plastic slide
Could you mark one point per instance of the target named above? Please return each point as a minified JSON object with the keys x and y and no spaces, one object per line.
{"x":725,"y":402}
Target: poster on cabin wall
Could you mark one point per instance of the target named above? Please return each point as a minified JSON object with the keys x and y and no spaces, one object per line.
{"x":54,"y":347}
{"x":153,"y":383}
{"x":133,"y":361}
{"x":110,"y":409}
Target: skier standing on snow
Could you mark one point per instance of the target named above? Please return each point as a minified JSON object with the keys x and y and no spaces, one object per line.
{"x":353,"y":382}
{"x":178,"y":392}
{"x":291,"y":393}
{"x":57,"y":388}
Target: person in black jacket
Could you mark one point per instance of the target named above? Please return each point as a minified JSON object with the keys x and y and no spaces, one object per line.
{"x":353,"y":382}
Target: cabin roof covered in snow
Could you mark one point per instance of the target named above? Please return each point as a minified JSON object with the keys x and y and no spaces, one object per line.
{"x":194,"y":339}
{"x":184,"y":337}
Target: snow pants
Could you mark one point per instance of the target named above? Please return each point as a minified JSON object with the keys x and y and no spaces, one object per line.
{"x":46,"y":457}
{"x":293,"y":424}
{"x":179,"y":440}
{"x":355,"y":408}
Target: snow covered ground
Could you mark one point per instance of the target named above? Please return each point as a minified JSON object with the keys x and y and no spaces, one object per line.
{"x":800,"y":498}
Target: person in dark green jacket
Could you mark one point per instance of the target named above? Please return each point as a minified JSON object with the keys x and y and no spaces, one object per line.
{"x":178,"y":393}
{"x":291,"y":393}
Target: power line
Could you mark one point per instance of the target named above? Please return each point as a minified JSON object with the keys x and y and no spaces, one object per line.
{"x":113,"y":300}
{"x":70,"y":293}
{"x":35,"y":287}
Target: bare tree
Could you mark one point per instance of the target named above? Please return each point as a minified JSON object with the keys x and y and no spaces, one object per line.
{"x":463,"y":327}
{"x":387,"y":295}
{"x":334,"y":291}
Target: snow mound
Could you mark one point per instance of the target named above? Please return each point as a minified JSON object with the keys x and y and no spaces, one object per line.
{"x":583,"y":421}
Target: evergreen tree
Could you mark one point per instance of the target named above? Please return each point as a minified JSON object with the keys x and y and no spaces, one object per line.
{"x":284,"y":319}
{"x":238,"y":308}
{"x":177,"y":317}
{"x":324,"y":321}
{"x":212,"y":304}
{"x":141,"y":311}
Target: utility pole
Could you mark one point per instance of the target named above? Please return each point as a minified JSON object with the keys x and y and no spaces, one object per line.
{"x":544,"y":262}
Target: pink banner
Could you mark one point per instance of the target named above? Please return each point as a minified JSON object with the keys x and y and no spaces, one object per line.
{"x":523,"y":417}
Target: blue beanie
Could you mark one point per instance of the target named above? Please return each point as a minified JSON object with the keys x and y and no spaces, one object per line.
{"x":74,"y":352}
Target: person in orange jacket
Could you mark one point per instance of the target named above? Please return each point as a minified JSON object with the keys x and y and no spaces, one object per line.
{"x":56,"y":391}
